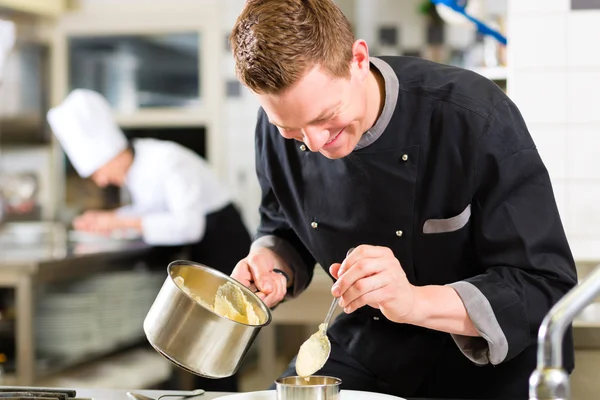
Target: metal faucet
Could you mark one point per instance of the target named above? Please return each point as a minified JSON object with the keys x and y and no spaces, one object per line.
{"x":550,"y":381}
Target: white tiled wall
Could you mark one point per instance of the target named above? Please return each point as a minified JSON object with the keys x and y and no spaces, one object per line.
{"x":554,"y":78}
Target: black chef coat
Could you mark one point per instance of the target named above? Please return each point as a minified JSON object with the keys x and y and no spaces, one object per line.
{"x":456,"y":188}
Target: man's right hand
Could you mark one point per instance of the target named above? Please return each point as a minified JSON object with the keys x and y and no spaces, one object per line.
{"x":257,"y":268}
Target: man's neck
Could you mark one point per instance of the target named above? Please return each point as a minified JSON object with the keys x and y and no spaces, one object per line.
{"x":375,"y":96}
{"x":126,"y":160}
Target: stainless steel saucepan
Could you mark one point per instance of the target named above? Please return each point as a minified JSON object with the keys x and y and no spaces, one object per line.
{"x":191,"y":335}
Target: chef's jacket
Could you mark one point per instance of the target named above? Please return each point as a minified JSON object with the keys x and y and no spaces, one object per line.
{"x":172,"y":190}
{"x":450,"y":179}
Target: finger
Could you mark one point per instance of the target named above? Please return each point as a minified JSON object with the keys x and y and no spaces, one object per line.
{"x":274,"y":296}
{"x":261,"y":296}
{"x":261,"y":274}
{"x":361,"y":269}
{"x":333,"y":270}
{"x":372,"y":299}
{"x":361,"y":252}
{"x":357,"y":254}
{"x":361,"y":288}
{"x":241,"y":273}
{"x":278,"y":294}
{"x":282,"y":287}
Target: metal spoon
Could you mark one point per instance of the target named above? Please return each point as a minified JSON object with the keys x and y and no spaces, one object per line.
{"x":139,"y":396}
{"x":314,"y":352}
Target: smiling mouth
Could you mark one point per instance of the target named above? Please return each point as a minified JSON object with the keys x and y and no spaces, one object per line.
{"x":335,"y":137}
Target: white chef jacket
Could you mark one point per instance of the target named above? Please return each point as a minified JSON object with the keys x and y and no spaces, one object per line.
{"x":172,"y":189}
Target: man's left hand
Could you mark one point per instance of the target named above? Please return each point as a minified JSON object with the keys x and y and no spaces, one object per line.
{"x":103,"y":222}
{"x":373,"y":276}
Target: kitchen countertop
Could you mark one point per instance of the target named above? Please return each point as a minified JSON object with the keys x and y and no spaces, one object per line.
{"x":24,"y":243}
{"x":114,"y":394}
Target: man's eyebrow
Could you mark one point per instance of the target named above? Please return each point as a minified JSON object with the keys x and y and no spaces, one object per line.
{"x":328,"y":111}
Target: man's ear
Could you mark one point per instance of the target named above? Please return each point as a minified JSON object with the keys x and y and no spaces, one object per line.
{"x":360,"y":59}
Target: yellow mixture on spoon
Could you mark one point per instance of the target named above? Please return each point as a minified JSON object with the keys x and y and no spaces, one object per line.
{"x":313,"y":353}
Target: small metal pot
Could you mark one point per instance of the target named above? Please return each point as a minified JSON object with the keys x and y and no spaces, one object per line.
{"x":192,"y":336}
{"x":316,"y":388}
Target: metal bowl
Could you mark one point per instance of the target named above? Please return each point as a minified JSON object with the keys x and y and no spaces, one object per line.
{"x":191,"y":335}
{"x":316,"y":388}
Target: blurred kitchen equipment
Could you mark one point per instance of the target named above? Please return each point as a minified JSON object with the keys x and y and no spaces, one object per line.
{"x":458,"y":12}
{"x":17,"y":189}
{"x":550,"y":381}
{"x":317,"y":387}
{"x":194,"y":337}
{"x":139,"y":396}
{"x":36,"y":393}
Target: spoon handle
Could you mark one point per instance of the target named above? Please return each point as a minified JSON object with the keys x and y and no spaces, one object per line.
{"x":335,"y":300}
{"x":330,"y":312}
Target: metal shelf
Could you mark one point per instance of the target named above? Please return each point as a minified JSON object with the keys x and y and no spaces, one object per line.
{"x":45,"y":8}
{"x":164,"y":117}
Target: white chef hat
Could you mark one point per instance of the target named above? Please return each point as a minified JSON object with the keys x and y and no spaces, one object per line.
{"x":87,"y":131}
{"x":7,"y":41}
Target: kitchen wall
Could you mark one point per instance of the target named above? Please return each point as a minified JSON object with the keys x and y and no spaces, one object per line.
{"x":554,"y":77}
{"x":238,"y":114}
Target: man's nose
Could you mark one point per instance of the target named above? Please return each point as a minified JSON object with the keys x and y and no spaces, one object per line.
{"x":315,"y":137}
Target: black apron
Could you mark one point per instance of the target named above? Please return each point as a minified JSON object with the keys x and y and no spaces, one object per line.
{"x":226,"y":241}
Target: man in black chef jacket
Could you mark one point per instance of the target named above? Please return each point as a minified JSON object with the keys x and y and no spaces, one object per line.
{"x":430,"y":172}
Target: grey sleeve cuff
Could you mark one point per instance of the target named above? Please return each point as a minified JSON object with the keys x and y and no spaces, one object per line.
{"x":492,"y":346}
{"x":291,"y":257}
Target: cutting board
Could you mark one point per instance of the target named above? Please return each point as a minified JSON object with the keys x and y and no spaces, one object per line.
{"x":344,"y":395}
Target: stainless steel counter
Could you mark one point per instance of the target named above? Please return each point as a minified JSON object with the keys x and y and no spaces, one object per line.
{"x":23,"y":243}
{"x":35,"y":253}
{"x":108,"y":394}
{"x":114,"y":394}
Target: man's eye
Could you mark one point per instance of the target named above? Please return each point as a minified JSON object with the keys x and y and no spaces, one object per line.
{"x":326,"y":119}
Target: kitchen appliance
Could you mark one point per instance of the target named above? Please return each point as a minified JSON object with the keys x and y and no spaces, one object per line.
{"x":191,"y":335}
{"x":36,"y":393}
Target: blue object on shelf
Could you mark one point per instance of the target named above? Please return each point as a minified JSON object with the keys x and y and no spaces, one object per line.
{"x":481,"y":27}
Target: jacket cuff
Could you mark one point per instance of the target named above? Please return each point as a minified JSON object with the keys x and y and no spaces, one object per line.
{"x":291,"y":257}
{"x":492,"y":346}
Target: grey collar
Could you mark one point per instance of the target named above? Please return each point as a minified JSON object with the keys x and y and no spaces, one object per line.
{"x":391,"y":97}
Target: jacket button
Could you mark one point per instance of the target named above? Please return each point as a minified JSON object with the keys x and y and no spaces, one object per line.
{"x":303,"y":147}
{"x":375,"y":318}
{"x":399,"y":233}
{"x":314,"y":225}
{"x":404,"y":157}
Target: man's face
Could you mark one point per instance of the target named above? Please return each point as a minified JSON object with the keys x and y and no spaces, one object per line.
{"x":113,"y":172}
{"x":325,"y":113}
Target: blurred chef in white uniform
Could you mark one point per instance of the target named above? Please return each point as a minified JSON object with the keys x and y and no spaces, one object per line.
{"x":175,"y":197}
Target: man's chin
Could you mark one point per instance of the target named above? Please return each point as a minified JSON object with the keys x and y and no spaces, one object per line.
{"x":336,"y":153}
